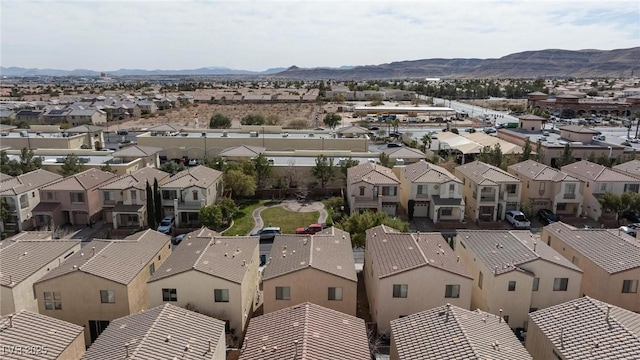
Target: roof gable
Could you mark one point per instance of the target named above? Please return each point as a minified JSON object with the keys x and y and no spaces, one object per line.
{"x":371,"y":173}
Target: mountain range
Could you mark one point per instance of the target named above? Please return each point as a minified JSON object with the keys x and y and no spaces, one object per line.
{"x":528,"y":64}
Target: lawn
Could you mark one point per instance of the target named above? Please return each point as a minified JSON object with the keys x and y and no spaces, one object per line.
{"x":288,"y":221}
{"x":243,"y":221}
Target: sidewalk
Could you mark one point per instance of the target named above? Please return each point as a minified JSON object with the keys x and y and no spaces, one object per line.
{"x":86,"y":233}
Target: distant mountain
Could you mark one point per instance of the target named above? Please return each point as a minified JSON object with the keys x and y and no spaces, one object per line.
{"x":18,"y":71}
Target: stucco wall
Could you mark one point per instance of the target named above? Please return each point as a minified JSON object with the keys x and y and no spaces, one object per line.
{"x":75,"y":350}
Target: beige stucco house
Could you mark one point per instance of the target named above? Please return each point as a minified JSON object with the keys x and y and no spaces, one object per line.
{"x":166,"y":332}
{"x":316,"y":268}
{"x":147,"y":156}
{"x":106,"y":280}
{"x":598,"y":180}
{"x":630,"y":167}
{"x":211,"y":274}
{"x":124,"y":199}
{"x":372,"y":187}
{"x":184,"y":193}
{"x":436,"y":193}
{"x":610,"y":260}
{"x":548,"y":188}
{"x":515,"y":274}
{"x":25,"y":261}
{"x":21,"y":196}
{"x":488,"y":191}
{"x":29,"y":335}
{"x":405,"y":273}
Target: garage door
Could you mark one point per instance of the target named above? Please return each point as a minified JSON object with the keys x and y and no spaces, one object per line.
{"x":389,"y":209}
{"x":421,"y":209}
{"x":81,"y":218}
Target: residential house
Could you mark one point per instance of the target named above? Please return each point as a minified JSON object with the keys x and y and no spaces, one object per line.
{"x":123,"y":110}
{"x":584,"y":328}
{"x":405,"y":273}
{"x":598,"y":180}
{"x":93,"y":135}
{"x":148,"y":154}
{"x":106,"y":280}
{"x":186,"y":192}
{"x":166,"y":332}
{"x":7,"y":115}
{"x":434,"y":191}
{"x":610,"y":260}
{"x":124,"y":199}
{"x":28,"y":335}
{"x":56,"y":116}
{"x":21,"y":196}
{"x":488,"y":191}
{"x":515,"y":273}
{"x":317,"y":268}
{"x":147,"y":106}
{"x":22,"y":263}
{"x":72,"y":200}
{"x":91,"y":116}
{"x":547,"y":188}
{"x":31,"y":117}
{"x":449,"y":332}
{"x":306,"y":332}
{"x":630,"y":167}
{"x":404,"y":155}
{"x":372,"y":187}
{"x":211,"y":274}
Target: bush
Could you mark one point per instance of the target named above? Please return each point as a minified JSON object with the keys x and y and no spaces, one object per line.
{"x":253,"y":119}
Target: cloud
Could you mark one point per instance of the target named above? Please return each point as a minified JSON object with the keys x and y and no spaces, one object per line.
{"x":255,"y":35}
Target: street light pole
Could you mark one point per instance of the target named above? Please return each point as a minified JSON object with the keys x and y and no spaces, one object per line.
{"x":263,"y":136}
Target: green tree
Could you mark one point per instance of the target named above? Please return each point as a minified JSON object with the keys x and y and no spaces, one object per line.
{"x":324,"y":170}
{"x":539,"y":152}
{"x":216,"y":163}
{"x":332,"y":120}
{"x":172,"y":167}
{"x":253,"y":119}
{"x":345,"y":165}
{"x":71,"y":165}
{"x":620,"y":204}
{"x":151,"y":216}
{"x":5,"y":214}
{"x":228,"y":208}
{"x":211,"y":216}
{"x":385,"y":161}
{"x":263,"y":170}
{"x":427,"y":140}
{"x":526,"y":150}
{"x":219,"y":121}
{"x":157,"y":201}
{"x":528,"y":209}
{"x":28,"y":161}
{"x":359,"y":222}
{"x":239,"y":183}
{"x":566,"y":158}
{"x":107,"y":168}
{"x":272,"y":120}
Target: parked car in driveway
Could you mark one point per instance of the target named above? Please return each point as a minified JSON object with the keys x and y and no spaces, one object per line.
{"x":517,"y":219}
{"x":267,"y":233}
{"x":393,"y":145}
{"x":631,"y":217}
{"x":309,"y":230}
{"x":168,"y":223}
{"x":178,"y":239}
{"x":547,"y":216}
{"x":629,"y":230}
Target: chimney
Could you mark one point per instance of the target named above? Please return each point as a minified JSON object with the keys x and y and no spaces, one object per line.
{"x":458,"y":258}
{"x":608,"y":311}
{"x":562,"y":336}
{"x":10,"y":281}
{"x":10,"y":321}
{"x":93,"y":249}
{"x":209,"y":350}
{"x":126,"y":349}
{"x":244,"y":262}
{"x":500,"y":319}
{"x":535,"y":244}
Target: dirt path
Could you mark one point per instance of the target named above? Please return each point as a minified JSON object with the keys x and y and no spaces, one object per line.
{"x":291,"y":205}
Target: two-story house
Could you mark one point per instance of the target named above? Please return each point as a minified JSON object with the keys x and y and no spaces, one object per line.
{"x":434,"y":192}
{"x":372,"y":187}
{"x":87,"y":116}
{"x":103,"y":282}
{"x":405,"y":273}
{"x":149,"y":155}
{"x":211,"y":274}
{"x":72,"y":200}
{"x":598,"y":180}
{"x":124,"y":199}
{"x":488,"y":191}
{"x":548,"y":188}
{"x":515,"y":274}
{"x":21,"y":196}
{"x":610,"y":260}
{"x":630,"y":167}
{"x":147,"y":106}
{"x":186,"y":192}
{"x":317,"y":268}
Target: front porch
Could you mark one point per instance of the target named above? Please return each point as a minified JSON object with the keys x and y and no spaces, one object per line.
{"x":447,"y":209}
{"x":129,"y":216}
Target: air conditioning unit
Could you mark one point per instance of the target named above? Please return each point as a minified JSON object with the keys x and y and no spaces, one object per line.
{"x":225,"y":134}
{"x":253,"y":134}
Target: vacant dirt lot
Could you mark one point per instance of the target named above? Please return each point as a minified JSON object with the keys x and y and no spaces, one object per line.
{"x":185,"y":116}
{"x":498,"y":104}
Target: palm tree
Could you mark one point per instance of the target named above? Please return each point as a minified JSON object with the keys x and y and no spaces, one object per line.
{"x":426,"y":140}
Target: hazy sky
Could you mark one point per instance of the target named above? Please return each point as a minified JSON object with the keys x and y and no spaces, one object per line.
{"x":256,"y":35}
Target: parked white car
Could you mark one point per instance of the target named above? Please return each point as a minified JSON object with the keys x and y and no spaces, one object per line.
{"x":517,"y":219}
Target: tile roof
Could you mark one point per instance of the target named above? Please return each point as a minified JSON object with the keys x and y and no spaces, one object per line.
{"x":404,"y":152}
{"x":371,"y":173}
{"x":163,"y":332}
{"x":23,"y":258}
{"x":508,"y":250}
{"x":137,"y":179}
{"x":478,"y":172}
{"x":579,"y":129}
{"x":85,"y":128}
{"x":331,"y":253}
{"x":591,"y":171}
{"x":531,"y":116}
{"x":452,"y":333}
{"x":609,"y":251}
{"x":224,"y":257}
{"x":540,"y":172}
{"x":4,"y":177}
{"x":424,"y":172}
{"x":85,"y":180}
{"x":34,"y":331}
{"x":587,"y":333}
{"x":200,"y":176}
{"x":352,"y":130}
{"x":27,"y":182}
{"x":28,"y":235}
{"x":243,"y":151}
{"x":394,"y":252}
{"x":164,"y":127}
{"x":116,"y":260}
{"x":630,"y":167}
{"x":306,"y":332}
{"x":136,"y":151}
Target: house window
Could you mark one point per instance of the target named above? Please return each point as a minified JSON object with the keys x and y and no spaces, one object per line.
{"x":400,"y":291}
{"x":574,"y":260}
{"x":195,"y":194}
{"x":536,"y":283}
{"x":452,"y":188}
{"x":152,"y":269}
{"x":452,"y":291}
{"x":542,"y":186}
{"x":422,"y":189}
{"x":169,"y":295}
{"x":560,"y":284}
{"x":169,"y":194}
{"x":630,"y":286}
{"x":389,"y":190}
{"x":52,"y":300}
{"x":221,"y":295}
{"x":512,"y":188}
{"x":50,"y":195}
{"x":107,"y":296}
{"x":634,"y":188}
{"x":77,"y":197}
{"x":602,"y":187}
{"x":447,"y":211}
{"x":561,"y":207}
{"x":283,"y":293}
{"x":109,"y":196}
{"x":512,"y":285}
{"x":24,"y":201}
{"x":569,"y":189}
{"x":134,"y":194}
{"x":361,"y":190}
{"x":480,"y":276}
{"x":335,"y":293}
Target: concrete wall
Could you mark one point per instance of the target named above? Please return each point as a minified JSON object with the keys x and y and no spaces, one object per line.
{"x":7,"y":304}
{"x":538,"y":344}
{"x":311,"y":285}
{"x":33,"y":142}
{"x":75,"y":350}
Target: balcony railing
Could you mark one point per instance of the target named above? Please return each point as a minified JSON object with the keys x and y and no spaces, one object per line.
{"x":569,"y":196}
{"x":109,"y":202}
{"x":422,"y":196}
{"x":488,"y":198}
{"x":365,"y":201}
{"x":189,"y":205}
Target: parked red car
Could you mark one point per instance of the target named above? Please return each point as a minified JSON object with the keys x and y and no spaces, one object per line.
{"x":309,"y":230}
